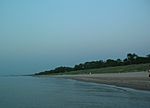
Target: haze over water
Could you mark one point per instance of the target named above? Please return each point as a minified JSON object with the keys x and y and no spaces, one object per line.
{"x":38,"y":35}
{"x":42,"y":92}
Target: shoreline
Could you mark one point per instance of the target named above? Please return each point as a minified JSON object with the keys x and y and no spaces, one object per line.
{"x":134,"y":80}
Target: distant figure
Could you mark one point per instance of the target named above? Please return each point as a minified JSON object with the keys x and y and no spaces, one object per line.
{"x":149,"y":72}
{"x":90,"y":73}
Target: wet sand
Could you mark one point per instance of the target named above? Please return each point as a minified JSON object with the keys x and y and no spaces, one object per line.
{"x":135,"y":80}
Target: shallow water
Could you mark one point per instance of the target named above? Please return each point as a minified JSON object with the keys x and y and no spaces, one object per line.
{"x":42,"y":92}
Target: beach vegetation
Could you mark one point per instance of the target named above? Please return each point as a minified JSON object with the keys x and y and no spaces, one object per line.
{"x":132,"y":62}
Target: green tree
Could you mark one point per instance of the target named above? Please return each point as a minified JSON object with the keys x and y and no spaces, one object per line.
{"x":132,"y":58}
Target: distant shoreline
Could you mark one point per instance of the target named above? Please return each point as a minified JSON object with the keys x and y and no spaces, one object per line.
{"x":135,"y":80}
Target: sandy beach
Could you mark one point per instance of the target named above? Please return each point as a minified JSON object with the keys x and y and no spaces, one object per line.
{"x":135,"y":80}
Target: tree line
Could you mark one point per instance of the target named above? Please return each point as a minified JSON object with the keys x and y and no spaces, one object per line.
{"x":131,"y":58}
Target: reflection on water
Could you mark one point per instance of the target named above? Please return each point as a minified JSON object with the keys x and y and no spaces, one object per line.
{"x":35,"y":92}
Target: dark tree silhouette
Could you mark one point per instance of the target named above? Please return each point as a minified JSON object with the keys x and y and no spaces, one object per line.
{"x":131,"y":59}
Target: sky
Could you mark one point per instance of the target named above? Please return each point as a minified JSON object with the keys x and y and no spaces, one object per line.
{"x":39,"y":35}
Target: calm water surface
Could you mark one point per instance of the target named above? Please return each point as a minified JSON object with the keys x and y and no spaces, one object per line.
{"x":35,"y":92}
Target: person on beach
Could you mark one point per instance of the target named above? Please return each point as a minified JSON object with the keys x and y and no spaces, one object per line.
{"x":149,"y":72}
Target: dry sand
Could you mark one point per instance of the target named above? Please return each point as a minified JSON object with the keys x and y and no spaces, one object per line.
{"x":136,"y":80}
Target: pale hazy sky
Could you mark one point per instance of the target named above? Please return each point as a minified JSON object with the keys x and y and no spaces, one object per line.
{"x":37,"y":35}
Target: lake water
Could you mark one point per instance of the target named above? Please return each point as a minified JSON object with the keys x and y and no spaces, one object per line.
{"x":42,"y":92}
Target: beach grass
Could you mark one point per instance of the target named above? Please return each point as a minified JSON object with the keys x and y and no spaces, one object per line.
{"x":117,"y":69}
